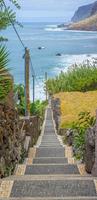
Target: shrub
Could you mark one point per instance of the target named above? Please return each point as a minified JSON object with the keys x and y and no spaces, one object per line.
{"x":36,"y":108}
{"x":78,"y":78}
{"x":85,"y":120}
{"x":19,"y":92}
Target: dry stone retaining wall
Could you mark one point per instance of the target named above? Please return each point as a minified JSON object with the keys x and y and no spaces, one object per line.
{"x":16,"y":135}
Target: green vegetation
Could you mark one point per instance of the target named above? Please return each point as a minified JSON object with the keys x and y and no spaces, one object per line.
{"x":85,"y":120}
{"x":5,"y":78}
{"x":6,"y":17}
{"x":36,"y":108}
{"x":79,"y":78}
{"x":19,"y":93}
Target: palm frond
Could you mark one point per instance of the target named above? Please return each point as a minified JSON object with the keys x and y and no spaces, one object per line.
{"x":5,"y":78}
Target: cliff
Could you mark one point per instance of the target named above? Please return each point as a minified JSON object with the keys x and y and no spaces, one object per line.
{"x":89,"y":24}
{"x":84,"y":12}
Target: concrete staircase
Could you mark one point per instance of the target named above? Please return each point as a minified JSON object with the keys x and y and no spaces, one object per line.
{"x":49,"y":172}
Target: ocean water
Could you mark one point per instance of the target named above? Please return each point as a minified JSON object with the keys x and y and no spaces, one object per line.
{"x":74,"y":47}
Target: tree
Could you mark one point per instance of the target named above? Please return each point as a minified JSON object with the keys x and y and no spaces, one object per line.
{"x":5,"y":78}
{"x":7,"y":17}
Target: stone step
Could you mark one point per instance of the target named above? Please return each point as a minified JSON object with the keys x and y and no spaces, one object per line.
{"x":49,"y":124}
{"x":51,"y":143}
{"x":50,"y":152}
{"x":49,"y":129}
{"x":49,"y":177}
{"x":50,"y":160}
{"x":53,"y":198}
{"x":54,"y":189}
{"x":49,"y":138}
{"x":44,"y":146}
{"x":51,"y":169}
{"x":48,"y":133}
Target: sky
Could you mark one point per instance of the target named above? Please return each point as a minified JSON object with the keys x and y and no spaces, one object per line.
{"x":48,"y":10}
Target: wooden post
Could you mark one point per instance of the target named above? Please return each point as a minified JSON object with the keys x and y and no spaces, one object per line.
{"x":27,"y":95}
{"x":46,"y":87}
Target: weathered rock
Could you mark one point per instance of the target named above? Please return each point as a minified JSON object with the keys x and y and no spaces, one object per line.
{"x":55,"y":103}
{"x":10,"y":138}
{"x":69,"y":137}
{"x":90,"y":149}
{"x":62,"y":131}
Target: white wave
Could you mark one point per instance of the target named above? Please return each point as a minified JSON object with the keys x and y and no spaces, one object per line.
{"x":54,"y":29}
{"x":68,"y":60}
{"x":81,"y":31}
{"x":52,"y":26}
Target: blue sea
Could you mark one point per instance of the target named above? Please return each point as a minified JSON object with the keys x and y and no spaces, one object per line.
{"x":74,"y":47}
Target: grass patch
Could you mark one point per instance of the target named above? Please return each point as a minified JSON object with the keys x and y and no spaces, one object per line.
{"x":73,"y":103}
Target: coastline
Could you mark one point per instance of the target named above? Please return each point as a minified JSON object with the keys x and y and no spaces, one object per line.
{"x":67,"y":27}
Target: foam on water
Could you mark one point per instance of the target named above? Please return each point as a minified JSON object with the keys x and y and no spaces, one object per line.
{"x":54,"y":29}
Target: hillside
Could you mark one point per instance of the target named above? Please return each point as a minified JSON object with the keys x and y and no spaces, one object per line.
{"x":85,"y":11}
{"x":82,"y":13}
{"x":89,"y":24}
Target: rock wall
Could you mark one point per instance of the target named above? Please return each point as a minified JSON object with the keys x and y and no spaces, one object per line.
{"x":90,"y":149}
{"x":55,"y":104}
{"x":94,"y":169}
{"x":16,"y":135}
{"x":31,"y":128}
{"x":10,"y":139}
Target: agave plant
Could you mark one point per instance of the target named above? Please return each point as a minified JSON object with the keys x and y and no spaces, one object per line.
{"x":5,"y":78}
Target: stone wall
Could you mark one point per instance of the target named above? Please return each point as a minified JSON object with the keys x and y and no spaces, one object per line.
{"x":31,"y":128}
{"x":10,"y":139}
{"x":94,"y":169}
{"x":16,"y":135}
{"x":55,"y":104}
